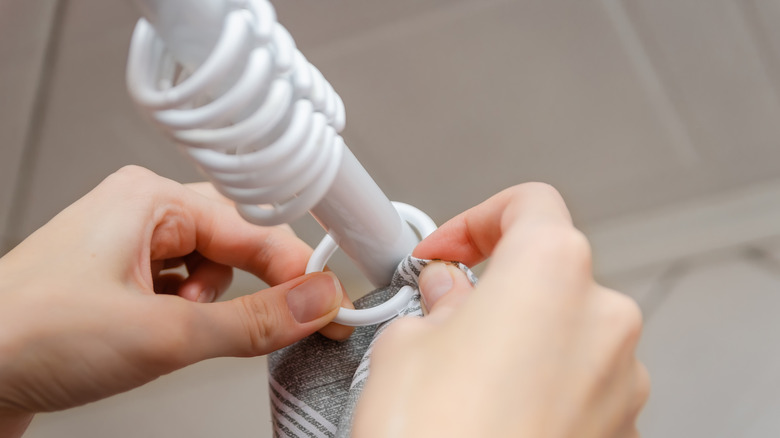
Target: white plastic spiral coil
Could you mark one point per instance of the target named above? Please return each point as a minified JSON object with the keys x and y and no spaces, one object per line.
{"x":269,"y":132}
{"x":225,"y":81}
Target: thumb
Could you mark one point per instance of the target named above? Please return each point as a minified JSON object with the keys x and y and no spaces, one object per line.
{"x":443,"y":287}
{"x":268,"y":320}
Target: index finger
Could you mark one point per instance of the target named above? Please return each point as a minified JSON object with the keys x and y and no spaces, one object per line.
{"x":275,"y":254}
{"x":278,"y":255}
{"x":471,"y":236}
{"x":173,"y":220}
{"x":286,"y":268}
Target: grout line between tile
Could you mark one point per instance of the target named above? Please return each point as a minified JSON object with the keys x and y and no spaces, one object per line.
{"x":662,"y":288}
{"x":753,"y":253}
{"x":407,"y":26}
{"x":32,"y":137}
{"x":763,"y":259}
{"x":770,"y":61}
{"x":651,"y":79}
{"x":654,"y":53}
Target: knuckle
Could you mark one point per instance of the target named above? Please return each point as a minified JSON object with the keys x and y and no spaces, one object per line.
{"x":534,"y":189}
{"x":566,"y":244}
{"x":258,"y":319}
{"x":574,"y":243}
{"x":173,"y":336}
{"x":643,"y":386}
{"x":179,"y":339}
{"x":624,"y":313}
{"x":632,"y":317}
{"x":134,"y":181}
{"x":131,"y":173}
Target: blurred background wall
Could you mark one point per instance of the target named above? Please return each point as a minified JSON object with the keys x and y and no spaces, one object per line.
{"x":659,"y":121}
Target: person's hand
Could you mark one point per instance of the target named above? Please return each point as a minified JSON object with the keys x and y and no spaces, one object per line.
{"x":537,"y":349}
{"x":87,"y":308}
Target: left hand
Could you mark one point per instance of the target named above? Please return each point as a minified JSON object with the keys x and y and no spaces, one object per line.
{"x":87,"y":310}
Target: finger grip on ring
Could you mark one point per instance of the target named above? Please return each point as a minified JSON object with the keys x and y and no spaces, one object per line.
{"x":424,"y":226}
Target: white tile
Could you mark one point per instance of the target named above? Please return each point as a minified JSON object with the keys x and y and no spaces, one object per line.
{"x":486,"y":94}
{"x":770,"y":14}
{"x":520,"y":91}
{"x":711,"y":352}
{"x":219,"y":397}
{"x":24,"y":27}
{"x":451,"y":104}
{"x":90,"y":126}
{"x":717,"y":222}
{"x":317,"y":26}
{"x":659,"y":95}
{"x":770,"y":248}
{"x":765,"y":16}
{"x":709,"y":59}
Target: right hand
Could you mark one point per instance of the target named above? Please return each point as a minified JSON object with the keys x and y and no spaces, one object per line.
{"x":538,"y":349}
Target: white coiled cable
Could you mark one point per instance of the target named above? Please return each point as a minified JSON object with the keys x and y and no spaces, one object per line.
{"x":263,"y":124}
{"x":271,"y":137}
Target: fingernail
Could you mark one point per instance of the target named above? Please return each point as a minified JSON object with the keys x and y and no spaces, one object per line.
{"x":435,"y":281}
{"x":315,"y":297}
{"x":207,"y":295}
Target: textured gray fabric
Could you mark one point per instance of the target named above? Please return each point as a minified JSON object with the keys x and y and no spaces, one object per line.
{"x":315,"y":384}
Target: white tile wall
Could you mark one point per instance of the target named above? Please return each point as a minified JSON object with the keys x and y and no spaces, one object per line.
{"x":714,"y":68}
{"x":514,"y":92}
{"x":91,"y":127}
{"x":24,"y":31}
{"x":657,"y":119}
{"x":717,"y":222}
{"x":318,"y":26}
{"x":763,"y":16}
{"x":711,"y":349}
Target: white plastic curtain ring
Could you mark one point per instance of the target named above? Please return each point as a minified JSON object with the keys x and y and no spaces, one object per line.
{"x":424,"y":226}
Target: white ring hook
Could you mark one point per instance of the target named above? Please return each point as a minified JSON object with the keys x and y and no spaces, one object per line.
{"x":422,"y":223}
